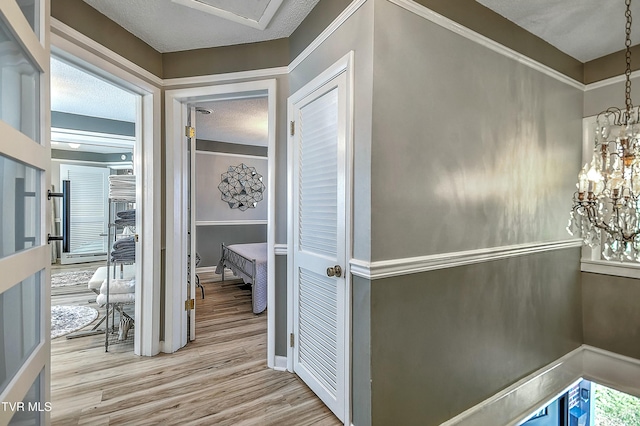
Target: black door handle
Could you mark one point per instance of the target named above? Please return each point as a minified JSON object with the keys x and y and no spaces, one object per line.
{"x":66,"y":215}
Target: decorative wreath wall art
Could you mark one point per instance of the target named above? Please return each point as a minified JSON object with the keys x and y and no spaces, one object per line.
{"x":241,"y":187}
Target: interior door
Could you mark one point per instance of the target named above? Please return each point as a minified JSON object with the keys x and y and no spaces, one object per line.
{"x":25,"y":257}
{"x":320,"y":255}
{"x":191,"y":230}
{"x":88,"y":213}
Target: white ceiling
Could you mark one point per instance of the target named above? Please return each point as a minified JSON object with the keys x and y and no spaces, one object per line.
{"x":169,"y":26}
{"x":240,"y":121}
{"x":584,"y":29}
{"x":77,"y":92}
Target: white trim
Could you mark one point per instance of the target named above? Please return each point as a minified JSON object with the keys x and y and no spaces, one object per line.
{"x":337,"y":23}
{"x":610,"y":81}
{"x":112,"y":165}
{"x":280,"y":363}
{"x":259,"y":24}
{"x":220,"y":78}
{"x":413,"y":265}
{"x":629,"y":270}
{"x":280,"y":249}
{"x":516,"y":403}
{"x":175,"y":103}
{"x":64,"y":31}
{"x":230,"y":222}
{"x":612,"y":369}
{"x":228,"y":154}
{"x":465,"y":32}
{"x":89,"y":55}
{"x":446,"y":23}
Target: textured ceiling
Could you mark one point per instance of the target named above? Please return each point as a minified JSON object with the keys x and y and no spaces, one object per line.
{"x":241,"y":121}
{"x":78,"y":92}
{"x":168,"y":26}
{"x":247,"y":9}
{"x":584,"y":29}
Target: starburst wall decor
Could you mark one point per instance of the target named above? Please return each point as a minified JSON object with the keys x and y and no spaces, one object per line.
{"x":241,"y":187}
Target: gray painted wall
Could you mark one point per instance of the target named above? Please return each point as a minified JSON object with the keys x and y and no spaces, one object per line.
{"x":361,"y":351}
{"x":209,"y":239}
{"x":469,"y":150}
{"x":357,"y":35}
{"x":473,"y":149}
{"x":64,"y":120}
{"x":445,"y":340}
{"x":610,"y":313}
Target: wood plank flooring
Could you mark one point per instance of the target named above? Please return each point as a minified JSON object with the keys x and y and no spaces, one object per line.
{"x":219,"y":379}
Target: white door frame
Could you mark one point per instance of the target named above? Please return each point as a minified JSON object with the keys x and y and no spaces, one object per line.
{"x":85,"y":53}
{"x":176,"y":101}
{"x":343,"y":65}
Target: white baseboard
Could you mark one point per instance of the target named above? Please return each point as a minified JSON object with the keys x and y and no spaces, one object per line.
{"x":515,"y":403}
{"x":281,"y":363}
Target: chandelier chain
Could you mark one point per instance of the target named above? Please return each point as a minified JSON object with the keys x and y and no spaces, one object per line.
{"x":627,"y":14}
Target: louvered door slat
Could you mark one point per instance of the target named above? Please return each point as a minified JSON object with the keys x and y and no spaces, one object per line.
{"x":318,"y":174}
{"x":317,"y":327}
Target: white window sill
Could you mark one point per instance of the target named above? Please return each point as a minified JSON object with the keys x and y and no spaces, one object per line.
{"x":629,"y":270}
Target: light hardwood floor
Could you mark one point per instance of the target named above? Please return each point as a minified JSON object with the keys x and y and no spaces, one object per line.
{"x":220,"y":379}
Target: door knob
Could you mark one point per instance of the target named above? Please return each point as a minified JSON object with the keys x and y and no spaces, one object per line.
{"x":334,"y":271}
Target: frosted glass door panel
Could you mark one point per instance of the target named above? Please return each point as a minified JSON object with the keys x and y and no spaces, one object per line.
{"x":34,"y":406}
{"x":19,"y":326}
{"x":30,"y":11}
{"x":20,"y":210}
{"x":19,"y":87}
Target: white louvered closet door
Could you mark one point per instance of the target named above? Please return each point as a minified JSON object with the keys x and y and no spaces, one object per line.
{"x":320,"y":243}
{"x":89,"y":211}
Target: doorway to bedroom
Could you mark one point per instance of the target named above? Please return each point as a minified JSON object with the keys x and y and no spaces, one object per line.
{"x":220,"y":195}
{"x":229,"y":190}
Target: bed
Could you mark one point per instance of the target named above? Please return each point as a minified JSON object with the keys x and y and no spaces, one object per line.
{"x":249,"y":262}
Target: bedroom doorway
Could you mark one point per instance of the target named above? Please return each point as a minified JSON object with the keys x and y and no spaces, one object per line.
{"x":213,"y":158}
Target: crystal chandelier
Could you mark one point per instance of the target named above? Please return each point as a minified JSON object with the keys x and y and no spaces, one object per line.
{"x":606,"y":207}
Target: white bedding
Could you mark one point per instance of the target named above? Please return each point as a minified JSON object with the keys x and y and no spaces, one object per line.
{"x":257,"y":251}
{"x":101,"y":299}
{"x":119,"y":286}
{"x":129,"y":271}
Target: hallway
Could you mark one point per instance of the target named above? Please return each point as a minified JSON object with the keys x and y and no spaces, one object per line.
{"x":220,"y":379}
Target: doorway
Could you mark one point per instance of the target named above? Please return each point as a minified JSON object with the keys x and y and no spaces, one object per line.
{"x":320,"y":244}
{"x":178,"y":103}
{"x":86,"y":55}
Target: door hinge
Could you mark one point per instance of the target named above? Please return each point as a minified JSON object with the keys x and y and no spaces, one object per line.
{"x":292,"y":340}
{"x":293,"y":128}
{"x":189,"y":304}
{"x":189,"y":132}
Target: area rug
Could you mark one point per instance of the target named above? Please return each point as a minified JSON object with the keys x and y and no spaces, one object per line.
{"x":66,"y":319}
{"x":62,"y":279}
